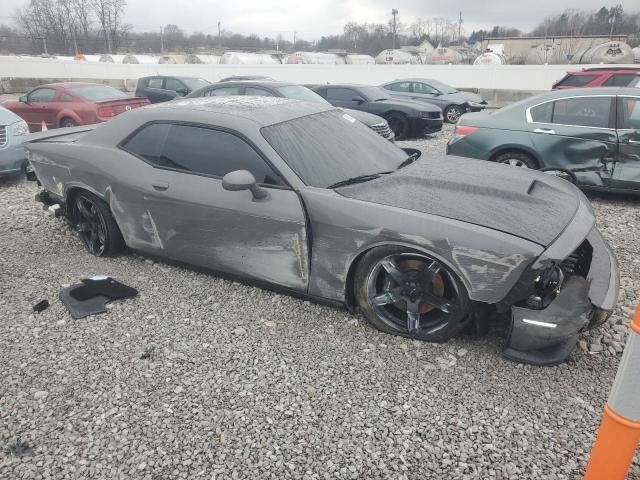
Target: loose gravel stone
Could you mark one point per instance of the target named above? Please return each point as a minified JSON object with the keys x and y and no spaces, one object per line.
{"x":186,"y":381}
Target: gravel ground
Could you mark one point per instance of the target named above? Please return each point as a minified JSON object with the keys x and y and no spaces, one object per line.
{"x":200,"y":377}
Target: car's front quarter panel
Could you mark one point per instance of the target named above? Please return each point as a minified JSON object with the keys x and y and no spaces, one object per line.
{"x":341,"y":229}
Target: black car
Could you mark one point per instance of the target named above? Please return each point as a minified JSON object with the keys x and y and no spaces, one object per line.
{"x":407,"y":118}
{"x":235,"y":78}
{"x":272,"y":88}
{"x":162,"y":89}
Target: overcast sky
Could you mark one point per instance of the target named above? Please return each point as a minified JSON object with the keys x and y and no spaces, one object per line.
{"x":314,"y":18}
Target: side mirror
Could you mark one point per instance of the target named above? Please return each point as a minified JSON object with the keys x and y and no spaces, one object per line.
{"x":243,"y":180}
{"x":23,"y":99}
{"x":182,"y":92}
{"x":358,"y":99}
{"x":564,"y":174}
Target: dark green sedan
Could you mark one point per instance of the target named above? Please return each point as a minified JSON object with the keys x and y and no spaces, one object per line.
{"x":593,"y":133}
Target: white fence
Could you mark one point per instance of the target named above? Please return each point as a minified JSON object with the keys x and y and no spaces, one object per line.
{"x":499,"y":77}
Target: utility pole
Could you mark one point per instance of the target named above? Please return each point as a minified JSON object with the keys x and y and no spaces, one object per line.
{"x":294,"y":40}
{"x":161,"y":41}
{"x":394,"y":12}
{"x":219,"y":36}
{"x":460,"y":28}
{"x":44,"y":42}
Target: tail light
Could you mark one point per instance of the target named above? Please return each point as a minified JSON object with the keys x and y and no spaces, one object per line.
{"x":106,"y":111}
{"x":461,"y":131}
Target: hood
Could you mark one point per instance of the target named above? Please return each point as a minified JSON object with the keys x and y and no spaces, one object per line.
{"x":528,"y":204}
{"x":364,"y":117}
{"x":461,"y":97}
{"x":7,"y":117}
{"x":415,"y":104}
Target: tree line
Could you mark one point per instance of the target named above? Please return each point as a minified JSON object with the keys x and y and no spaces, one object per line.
{"x":97,"y":26}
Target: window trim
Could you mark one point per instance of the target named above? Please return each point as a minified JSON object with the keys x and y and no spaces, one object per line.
{"x":619,"y":117}
{"x":175,"y":79}
{"x":55,"y":93}
{"x":612,"y":112}
{"x":252,"y":145}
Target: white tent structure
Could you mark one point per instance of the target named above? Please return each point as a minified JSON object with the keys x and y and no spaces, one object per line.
{"x":546,"y":54}
{"x":316,"y":58}
{"x":394,"y":57}
{"x":608,"y":52}
{"x":247,"y":58}
{"x":443,"y":56}
{"x":636,"y":54}
{"x":490,"y":58}
{"x":171,"y":58}
{"x":353,"y":59}
{"x":200,"y":58}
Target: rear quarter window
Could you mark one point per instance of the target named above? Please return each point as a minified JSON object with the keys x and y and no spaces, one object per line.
{"x":577,"y":80}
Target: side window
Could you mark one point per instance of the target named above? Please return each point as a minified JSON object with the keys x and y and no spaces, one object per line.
{"x":399,"y":87}
{"x":42,"y":95}
{"x":542,"y":113}
{"x":420,"y":87}
{"x":577,"y":80}
{"x":257,"y":92}
{"x":222,"y":92}
{"x":153,"y":83}
{"x":173,"y":85}
{"x":630,"y":114}
{"x":199,"y":150}
{"x":340,"y":95}
{"x":582,"y":111}
{"x":65,"y":97}
{"x":619,"y":80}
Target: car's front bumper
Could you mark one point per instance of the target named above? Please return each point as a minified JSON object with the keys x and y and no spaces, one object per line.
{"x":12,"y":157}
{"x":547,"y":337}
{"x":423,"y":126}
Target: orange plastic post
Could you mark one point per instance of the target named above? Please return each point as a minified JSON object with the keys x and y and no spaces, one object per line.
{"x":615,"y":446}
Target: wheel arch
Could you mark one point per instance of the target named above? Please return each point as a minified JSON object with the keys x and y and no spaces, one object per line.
{"x":355,"y":260}
{"x":67,"y":114}
{"x":515,"y":148}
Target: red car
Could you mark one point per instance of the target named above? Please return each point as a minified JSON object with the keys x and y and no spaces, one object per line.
{"x":72,"y":103}
{"x":598,"y":77}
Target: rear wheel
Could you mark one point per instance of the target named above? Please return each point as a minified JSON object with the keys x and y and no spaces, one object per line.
{"x":516,"y":159}
{"x":96,"y":226}
{"x":453,"y":113}
{"x":408,"y":293}
{"x":399,"y":124}
{"x":67,"y":122}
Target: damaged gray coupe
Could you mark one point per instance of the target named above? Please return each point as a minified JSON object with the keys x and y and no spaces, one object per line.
{"x":300,"y":197}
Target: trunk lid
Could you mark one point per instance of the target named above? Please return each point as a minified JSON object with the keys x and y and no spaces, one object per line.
{"x":531,"y":205}
{"x":111,"y":108}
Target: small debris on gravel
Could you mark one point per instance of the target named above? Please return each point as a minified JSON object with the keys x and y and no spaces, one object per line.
{"x":224,"y":395}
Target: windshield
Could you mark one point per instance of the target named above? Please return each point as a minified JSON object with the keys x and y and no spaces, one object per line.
{"x":442,"y":87}
{"x":195,"y":83}
{"x":330,"y":147}
{"x":373,"y":93}
{"x":301,"y":93}
{"x":96,"y":93}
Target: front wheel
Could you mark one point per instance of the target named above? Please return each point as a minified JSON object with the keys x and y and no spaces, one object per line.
{"x":96,"y":226}
{"x":67,"y":123}
{"x":399,"y":124}
{"x":408,"y":293}
{"x":453,"y":113}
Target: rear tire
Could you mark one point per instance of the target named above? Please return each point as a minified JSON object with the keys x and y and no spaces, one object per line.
{"x":96,"y":226}
{"x":517,"y":159}
{"x":399,"y":124}
{"x":67,"y":123}
{"x":408,"y":293}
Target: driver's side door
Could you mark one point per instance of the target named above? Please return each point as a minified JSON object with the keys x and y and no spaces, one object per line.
{"x":626,"y":171}
{"x":194,"y":220}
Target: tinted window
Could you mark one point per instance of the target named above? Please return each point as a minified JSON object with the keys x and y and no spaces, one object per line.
{"x":630,"y":113}
{"x":222,"y":92}
{"x":577,"y":80}
{"x":584,"y":111}
{"x":420,"y":87}
{"x":42,"y":95}
{"x":399,"y":87}
{"x":153,"y":83}
{"x":194,"y":83}
{"x":340,"y":94}
{"x":65,"y":97}
{"x":329,"y":147}
{"x":199,"y":150}
{"x":173,"y":85}
{"x":542,"y":113}
{"x":257,"y":92}
{"x":96,"y":93}
{"x":301,"y":93}
{"x":619,"y":80}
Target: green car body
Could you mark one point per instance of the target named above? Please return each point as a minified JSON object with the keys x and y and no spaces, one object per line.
{"x":593,"y":132}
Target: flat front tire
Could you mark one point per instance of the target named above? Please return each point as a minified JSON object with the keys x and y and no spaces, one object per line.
{"x":408,"y":293}
{"x":516,"y":159}
{"x":96,"y":226}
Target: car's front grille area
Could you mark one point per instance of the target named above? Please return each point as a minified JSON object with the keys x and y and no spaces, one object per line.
{"x":579,"y":262}
{"x":3,"y":135}
{"x":434,"y":115}
{"x":381,"y":129}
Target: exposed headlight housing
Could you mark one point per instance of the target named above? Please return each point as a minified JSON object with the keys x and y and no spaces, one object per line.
{"x":546,"y":287}
{"x":19,"y":129}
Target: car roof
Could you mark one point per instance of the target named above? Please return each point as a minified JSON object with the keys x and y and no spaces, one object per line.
{"x":265,"y":82}
{"x":347,"y":85}
{"x":262,"y":110}
{"x":605,"y":70}
{"x":414,"y":79}
{"x":66,"y":85}
{"x":593,"y":91}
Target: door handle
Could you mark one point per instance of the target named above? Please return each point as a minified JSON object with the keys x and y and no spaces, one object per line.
{"x":548,"y":131}
{"x":160,"y":186}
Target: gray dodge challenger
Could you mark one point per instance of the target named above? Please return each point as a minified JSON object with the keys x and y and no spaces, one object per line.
{"x":302,"y":198}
